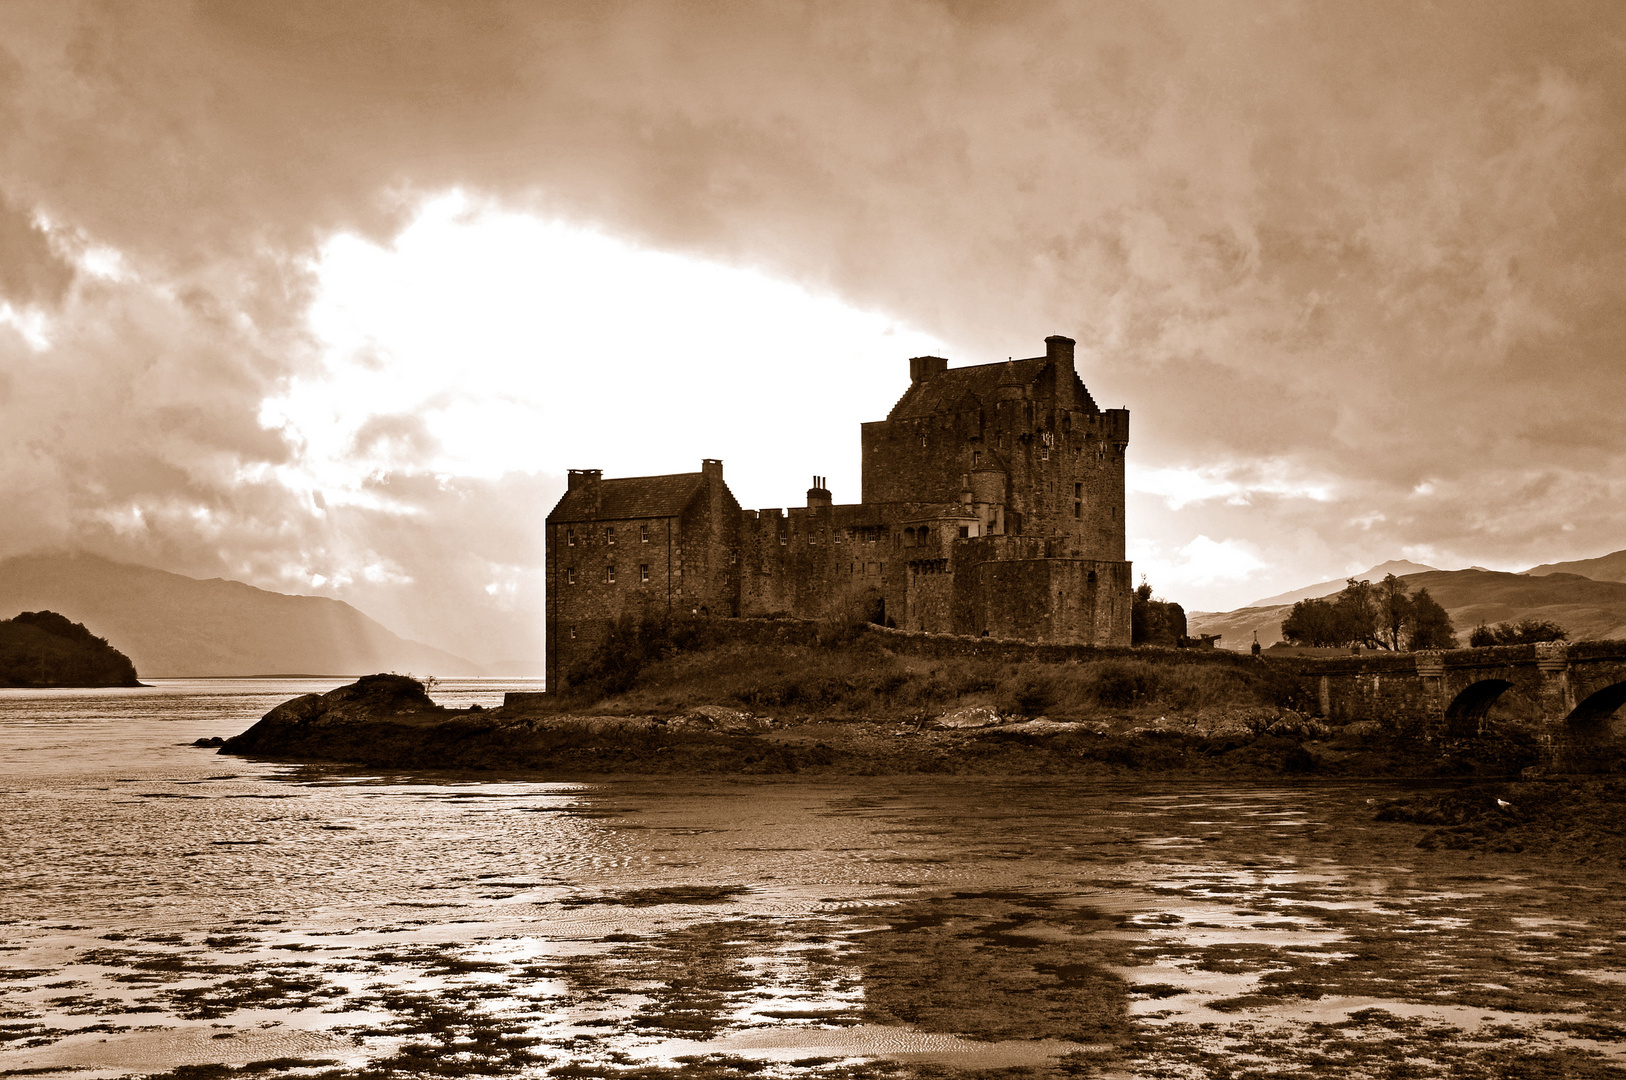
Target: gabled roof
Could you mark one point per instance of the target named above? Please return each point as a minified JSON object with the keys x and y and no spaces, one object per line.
{"x":940,"y":393}
{"x":630,"y":497}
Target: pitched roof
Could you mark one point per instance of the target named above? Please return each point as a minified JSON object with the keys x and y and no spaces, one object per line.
{"x":630,"y":497}
{"x":942,"y":392}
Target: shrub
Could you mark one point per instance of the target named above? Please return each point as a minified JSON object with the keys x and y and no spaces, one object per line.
{"x":1122,"y":684}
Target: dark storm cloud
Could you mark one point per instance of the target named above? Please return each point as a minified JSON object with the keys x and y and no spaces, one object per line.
{"x":1377,"y":245}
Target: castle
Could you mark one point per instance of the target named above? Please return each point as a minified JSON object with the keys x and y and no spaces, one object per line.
{"x":992,"y":504}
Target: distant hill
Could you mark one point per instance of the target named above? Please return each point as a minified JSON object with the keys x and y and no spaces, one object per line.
{"x":1611,"y":567}
{"x":1397,"y":567}
{"x":173,"y":626}
{"x":42,"y":648}
{"x":1586,"y":608}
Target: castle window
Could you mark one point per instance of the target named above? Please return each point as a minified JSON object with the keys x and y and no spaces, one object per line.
{"x":733,"y":557}
{"x":965,"y":532}
{"x":1044,"y":454}
{"x":570,"y":538}
{"x":643,"y":534}
{"x":976,"y":457}
{"x":1078,"y":510}
{"x":572,"y":633}
{"x":1078,"y":491}
{"x":609,"y":574}
{"x":609,"y":534}
{"x":643,"y":571}
{"x":570,"y":575}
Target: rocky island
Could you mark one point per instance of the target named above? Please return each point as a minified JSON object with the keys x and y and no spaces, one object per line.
{"x":44,"y":649}
{"x":856,"y":706}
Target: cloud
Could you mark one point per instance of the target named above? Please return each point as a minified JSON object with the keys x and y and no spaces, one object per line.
{"x":1337,"y":249}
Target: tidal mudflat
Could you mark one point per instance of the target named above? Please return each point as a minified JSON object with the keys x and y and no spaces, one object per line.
{"x":167,"y":912}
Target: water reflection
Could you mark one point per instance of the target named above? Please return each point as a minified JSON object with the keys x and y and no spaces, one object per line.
{"x":164,"y":906}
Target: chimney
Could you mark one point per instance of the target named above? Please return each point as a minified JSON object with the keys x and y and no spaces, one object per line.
{"x":587,"y":482}
{"x":818,"y":494}
{"x":1059,"y":351}
{"x":712,"y":469}
{"x":922,"y":368}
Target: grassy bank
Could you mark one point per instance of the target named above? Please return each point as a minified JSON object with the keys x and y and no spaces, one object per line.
{"x":863,"y":678}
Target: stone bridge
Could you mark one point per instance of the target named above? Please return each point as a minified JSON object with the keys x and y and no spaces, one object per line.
{"x":1568,"y":691}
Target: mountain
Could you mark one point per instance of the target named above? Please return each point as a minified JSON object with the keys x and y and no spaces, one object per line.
{"x":175,"y":626}
{"x":1588,"y":609}
{"x":1611,"y":567}
{"x":1397,"y":567}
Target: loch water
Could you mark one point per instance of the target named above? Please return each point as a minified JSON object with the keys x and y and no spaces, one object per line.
{"x":168,"y":910}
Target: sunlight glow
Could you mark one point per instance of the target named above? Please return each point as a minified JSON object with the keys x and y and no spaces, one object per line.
{"x":30,"y":323}
{"x":484,"y":341}
{"x":1201,"y":562}
{"x":1235,"y":484}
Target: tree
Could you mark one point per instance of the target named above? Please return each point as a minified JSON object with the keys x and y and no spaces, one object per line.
{"x":1522,"y":632}
{"x":1430,"y":627}
{"x":1377,"y":616}
{"x":1394,"y":610}
{"x":1312,"y":622}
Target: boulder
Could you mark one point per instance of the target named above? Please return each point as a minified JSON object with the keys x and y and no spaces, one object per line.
{"x":1291,"y":725}
{"x":969,"y":716}
{"x":717,"y":718}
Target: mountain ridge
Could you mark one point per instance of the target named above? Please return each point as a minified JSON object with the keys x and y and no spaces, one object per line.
{"x":1610,"y":567}
{"x":171,"y":625}
{"x":1397,"y":567}
{"x":1586,"y":607}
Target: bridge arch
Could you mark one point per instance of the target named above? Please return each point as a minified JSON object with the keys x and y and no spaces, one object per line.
{"x":1598,"y":706}
{"x":1466,"y":713}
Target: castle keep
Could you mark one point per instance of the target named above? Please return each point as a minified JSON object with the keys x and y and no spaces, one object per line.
{"x":992,"y":503}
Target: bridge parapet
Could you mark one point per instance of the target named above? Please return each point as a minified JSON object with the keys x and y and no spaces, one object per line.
{"x":1552,"y":655}
{"x":1568,"y":690}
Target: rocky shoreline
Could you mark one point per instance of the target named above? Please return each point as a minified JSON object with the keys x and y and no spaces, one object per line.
{"x":390,"y":721}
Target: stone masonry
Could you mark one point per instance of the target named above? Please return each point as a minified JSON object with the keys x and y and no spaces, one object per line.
{"x":992,"y":503}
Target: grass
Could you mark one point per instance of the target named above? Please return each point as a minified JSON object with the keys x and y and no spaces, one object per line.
{"x":863,"y":678}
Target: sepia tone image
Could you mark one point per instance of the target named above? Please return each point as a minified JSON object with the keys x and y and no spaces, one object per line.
{"x":603,"y":540}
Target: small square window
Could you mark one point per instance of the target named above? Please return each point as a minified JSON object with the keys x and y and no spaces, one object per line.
{"x":965,"y":532}
{"x":643,"y":571}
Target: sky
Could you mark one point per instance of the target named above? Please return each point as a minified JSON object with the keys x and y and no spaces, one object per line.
{"x":327,"y":298}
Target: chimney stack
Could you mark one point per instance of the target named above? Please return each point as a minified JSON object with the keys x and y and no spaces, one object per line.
{"x":818,"y":494}
{"x":587,"y":482}
{"x":1059,"y":351}
{"x":922,"y":368}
